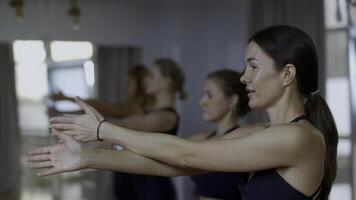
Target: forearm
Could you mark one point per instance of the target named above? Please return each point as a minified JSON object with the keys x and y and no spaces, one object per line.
{"x":129,"y":162}
{"x":108,"y":108}
{"x":162,"y":147}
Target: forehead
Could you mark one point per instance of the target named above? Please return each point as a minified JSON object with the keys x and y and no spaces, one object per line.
{"x":212,"y":84}
{"x":254,"y":52}
{"x":154,"y":69}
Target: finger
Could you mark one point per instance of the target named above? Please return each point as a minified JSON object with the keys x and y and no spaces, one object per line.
{"x":50,"y":171}
{"x":69,"y":133}
{"x":62,"y":119}
{"x":63,"y":126}
{"x":71,"y":115}
{"x":40,"y":165}
{"x":61,"y":136}
{"x":39,"y":157}
{"x":43,"y":150}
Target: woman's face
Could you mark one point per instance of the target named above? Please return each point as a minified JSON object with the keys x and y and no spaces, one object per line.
{"x":215,"y":105}
{"x":130,"y":87}
{"x":155,"y":82}
{"x":261,"y":78}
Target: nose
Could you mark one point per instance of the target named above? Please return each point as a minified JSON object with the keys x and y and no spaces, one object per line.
{"x":244,"y":78}
{"x":202,"y":101}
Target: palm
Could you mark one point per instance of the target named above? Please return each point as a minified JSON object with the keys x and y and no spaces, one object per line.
{"x":62,"y":157}
{"x":66,"y":156}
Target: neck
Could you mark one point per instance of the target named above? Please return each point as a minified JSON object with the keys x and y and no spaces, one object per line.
{"x":226,"y":123}
{"x":165,"y":99}
{"x":288,"y":107}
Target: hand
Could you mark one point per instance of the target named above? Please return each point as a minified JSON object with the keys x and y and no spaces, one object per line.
{"x":59,"y":96}
{"x":52,"y":111}
{"x":63,"y":157}
{"x":81,"y":127}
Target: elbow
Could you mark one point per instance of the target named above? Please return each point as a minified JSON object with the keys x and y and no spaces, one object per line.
{"x":185,"y":157}
{"x":184,"y":161}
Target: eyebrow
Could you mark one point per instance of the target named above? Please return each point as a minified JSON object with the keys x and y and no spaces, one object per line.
{"x":251,"y":59}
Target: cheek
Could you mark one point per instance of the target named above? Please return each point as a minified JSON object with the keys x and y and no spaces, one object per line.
{"x":217,"y":108}
{"x":268,"y":93}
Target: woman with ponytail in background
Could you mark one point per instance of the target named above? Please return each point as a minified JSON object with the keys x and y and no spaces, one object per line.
{"x":164,"y":82}
{"x":293,"y":158}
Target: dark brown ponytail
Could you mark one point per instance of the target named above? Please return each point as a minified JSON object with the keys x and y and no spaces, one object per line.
{"x":320,"y":116}
{"x":169,"y":68}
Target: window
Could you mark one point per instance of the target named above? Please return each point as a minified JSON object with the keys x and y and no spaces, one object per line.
{"x":69,"y":69}
{"x":31,"y":85}
{"x":338,"y":91}
{"x":71,"y":72}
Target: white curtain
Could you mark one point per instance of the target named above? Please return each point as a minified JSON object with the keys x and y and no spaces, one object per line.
{"x":9,"y":131}
{"x":113,"y":65}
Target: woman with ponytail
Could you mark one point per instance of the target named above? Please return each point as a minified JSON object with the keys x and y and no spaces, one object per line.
{"x":293,"y":158}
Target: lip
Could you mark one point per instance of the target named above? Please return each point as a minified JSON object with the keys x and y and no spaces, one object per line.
{"x":249,"y":92}
{"x":204,"y":111}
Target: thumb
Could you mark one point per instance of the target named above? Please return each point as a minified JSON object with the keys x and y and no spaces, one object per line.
{"x":88,"y":109}
{"x":83,"y":105}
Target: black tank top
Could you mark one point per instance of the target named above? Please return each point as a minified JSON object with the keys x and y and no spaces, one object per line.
{"x":174,"y":129}
{"x":143,"y":187}
{"x":219,"y":185}
{"x":268,"y":184}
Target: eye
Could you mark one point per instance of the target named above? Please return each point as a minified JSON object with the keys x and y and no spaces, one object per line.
{"x":253,"y":67}
{"x":208,"y":94}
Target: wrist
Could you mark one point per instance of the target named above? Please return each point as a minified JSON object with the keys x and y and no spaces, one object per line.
{"x":86,"y":157}
{"x":104,"y":131}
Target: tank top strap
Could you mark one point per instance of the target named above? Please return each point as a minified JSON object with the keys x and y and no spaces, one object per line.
{"x":212,"y":134}
{"x":317,"y":192}
{"x":299,"y":118}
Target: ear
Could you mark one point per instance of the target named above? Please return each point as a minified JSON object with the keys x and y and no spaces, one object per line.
{"x":169,"y":83}
{"x":234,"y":100}
{"x":288,"y":74}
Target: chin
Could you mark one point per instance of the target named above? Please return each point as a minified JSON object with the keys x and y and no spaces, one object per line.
{"x":207,"y":118}
{"x":252,"y":105}
{"x":150,"y":92}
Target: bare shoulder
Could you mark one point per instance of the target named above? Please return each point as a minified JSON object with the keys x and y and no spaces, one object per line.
{"x":300,"y":137}
{"x":162,"y":114}
{"x":246,"y":130}
{"x":200,"y":136}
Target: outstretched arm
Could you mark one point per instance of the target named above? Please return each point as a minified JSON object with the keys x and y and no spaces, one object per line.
{"x":104,"y":107}
{"x":129,"y":162}
{"x":274,"y":147}
{"x":71,"y":155}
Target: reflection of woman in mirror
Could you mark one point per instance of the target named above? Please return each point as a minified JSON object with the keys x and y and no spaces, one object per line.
{"x":136,"y":99}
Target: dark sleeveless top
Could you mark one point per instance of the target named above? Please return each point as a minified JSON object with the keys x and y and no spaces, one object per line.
{"x":219,"y":185}
{"x":174,"y":130}
{"x":268,"y":184}
{"x":143,"y":187}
